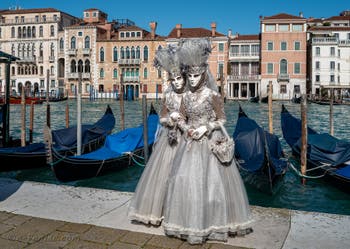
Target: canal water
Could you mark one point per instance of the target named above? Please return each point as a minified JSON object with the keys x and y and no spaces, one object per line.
{"x":317,"y":195}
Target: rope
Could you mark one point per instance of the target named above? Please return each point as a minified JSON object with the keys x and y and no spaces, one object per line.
{"x":58,"y":161}
{"x":131,"y":155}
{"x":99,"y":169}
{"x":305,"y":176}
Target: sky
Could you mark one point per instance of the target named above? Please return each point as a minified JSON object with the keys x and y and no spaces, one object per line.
{"x":239,"y":16}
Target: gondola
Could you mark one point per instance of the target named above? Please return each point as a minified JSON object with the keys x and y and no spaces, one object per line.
{"x":120,"y":150}
{"x":296,"y":100}
{"x":326,"y":155}
{"x":254,"y":99}
{"x":28,"y":100}
{"x":65,"y":142}
{"x":264,"y":99}
{"x":259,"y":153}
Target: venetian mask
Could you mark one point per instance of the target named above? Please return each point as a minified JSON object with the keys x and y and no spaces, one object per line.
{"x":194,"y":79}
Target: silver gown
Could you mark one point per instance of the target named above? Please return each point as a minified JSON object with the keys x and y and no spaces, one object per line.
{"x":148,"y":200}
{"x":206,"y":200}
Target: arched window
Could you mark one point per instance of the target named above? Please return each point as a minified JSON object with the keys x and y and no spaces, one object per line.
{"x":28,"y":50}
{"x":13,"y":71}
{"x":24,"y":32}
{"x":127,"y":53}
{"x":145,"y":53}
{"x":13,"y":49}
{"x":102,"y":73}
{"x":41,"y":31}
{"x":115,"y":73}
{"x":61,"y":44}
{"x":41,"y":50}
{"x":102,"y":54}
{"x":132,"y":53}
{"x":33,"y":49}
{"x":145,"y":73}
{"x":283,"y":67}
{"x":87,"y":42}
{"x":33,"y":32}
{"x":137,"y":52}
{"x":52,"y":50}
{"x":73,"y":43}
{"x":80,"y":66}
{"x":115,"y":54}
{"x":73,"y":66}
{"x":29,"y":32}
{"x":122,"y":54}
{"x":19,"y":32}
{"x":52,"y":30}
{"x":13,"y":32}
{"x":87,"y":66}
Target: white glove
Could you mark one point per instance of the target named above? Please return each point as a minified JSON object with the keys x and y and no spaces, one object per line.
{"x":199,"y":132}
{"x":175,"y":116}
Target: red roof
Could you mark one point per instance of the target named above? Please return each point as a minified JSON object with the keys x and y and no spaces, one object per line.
{"x":329,"y":28}
{"x":246,"y":37}
{"x":192,"y":33}
{"x":27,"y":11}
{"x":283,"y":16}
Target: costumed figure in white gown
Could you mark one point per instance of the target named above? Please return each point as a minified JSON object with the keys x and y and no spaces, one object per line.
{"x":149,"y":198}
{"x":206,"y":198}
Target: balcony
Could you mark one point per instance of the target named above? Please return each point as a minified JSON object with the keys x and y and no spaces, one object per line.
{"x":76,"y":75}
{"x":131,"y":79}
{"x":40,"y":59}
{"x":72,"y":52}
{"x":52,"y":58}
{"x":283,"y":77}
{"x":86,"y":51}
{"x":27,"y":59}
{"x":29,"y":20}
{"x":324,"y":40}
{"x":129,"y":61}
{"x":249,"y":56}
{"x":245,"y":77}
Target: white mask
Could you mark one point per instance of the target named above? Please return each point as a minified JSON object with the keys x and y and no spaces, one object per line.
{"x":178,"y":82}
{"x":194,"y":79}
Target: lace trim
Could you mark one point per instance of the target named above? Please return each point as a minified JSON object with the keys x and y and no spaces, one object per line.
{"x":229,"y":228}
{"x":145,"y":219}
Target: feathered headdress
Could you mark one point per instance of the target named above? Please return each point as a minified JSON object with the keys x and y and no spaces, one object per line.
{"x":167,"y":58}
{"x":194,"y":54}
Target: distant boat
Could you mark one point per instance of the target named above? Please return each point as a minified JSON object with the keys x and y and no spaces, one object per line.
{"x":118,"y":152}
{"x":65,"y":140}
{"x":260,"y":155}
{"x":325,"y":102}
{"x":326,"y":155}
{"x":254,"y":99}
{"x":264,"y":99}
{"x":18,"y":100}
{"x":296,"y":100}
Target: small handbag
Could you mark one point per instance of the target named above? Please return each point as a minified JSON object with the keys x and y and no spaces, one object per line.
{"x":223,"y":147}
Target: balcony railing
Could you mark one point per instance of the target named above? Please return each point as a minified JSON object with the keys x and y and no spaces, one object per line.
{"x":51,"y":58}
{"x":28,"y":59}
{"x":325,"y":40}
{"x":72,"y":52}
{"x":131,"y":78}
{"x":283,"y":77}
{"x":129,"y":61}
{"x":246,"y":77}
{"x":76,"y":75}
{"x":29,"y":20}
{"x":40,"y":59}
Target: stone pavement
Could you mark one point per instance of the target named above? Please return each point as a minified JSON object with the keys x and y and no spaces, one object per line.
{"x":40,"y":215}
{"x":21,"y":231}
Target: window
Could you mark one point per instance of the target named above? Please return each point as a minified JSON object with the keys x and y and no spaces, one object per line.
{"x":145,"y":73}
{"x":61,"y":44}
{"x":296,"y":68}
{"x":73,"y":43}
{"x":22,"y":19}
{"x":331,"y":78}
{"x":245,"y":50}
{"x":52,"y":83}
{"x":138,"y":53}
{"x":16,"y":19}
{"x":87,"y":66}
{"x":297,"y":27}
{"x":102,"y":73}
{"x":283,"y":67}
{"x":44,"y":18}
{"x":80,"y":33}
{"x":221,"y":47}
{"x":33,"y":31}
{"x":283,"y":89}
{"x":270,"y":68}
{"x":42,"y":83}
{"x":145,"y":53}
{"x":138,"y":34}
{"x":297,"y":89}
{"x":122,"y":53}
{"x":127,"y":52}
{"x":235,"y":50}
{"x":52,"y":50}
{"x":36,"y":18}
{"x":318,"y":51}
{"x":73,"y":66}
{"x":132,"y":53}
{"x":115,"y":54}
{"x":41,"y":31}
{"x":317,"y":66}
{"x":332,"y":51}
{"x":115,"y":73}
{"x":270,"y":27}
{"x":132,"y":34}
{"x":122,"y":34}
{"x":52,"y":30}
{"x":94,"y":14}
{"x":317,"y":78}
{"x":87,"y":14}
{"x":283,"y":27}
{"x":338,"y":66}
{"x":270,"y":46}
{"x":102,"y":54}
{"x":87,"y":42}
{"x":127,"y":34}
{"x":55,"y":18}
{"x":283,"y":45}
{"x":255,"y":49}
{"x":338,"y":52}
{"x":13,"y":32}
{"x":220,"y":69}
{"x":297,"y":45}
{"x":332,"y":65}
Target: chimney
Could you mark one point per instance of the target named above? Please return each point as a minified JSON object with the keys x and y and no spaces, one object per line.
{"x":229,"y":33}
{"x":301,"y":14}
{"x":153,"y":26}
{"x":178,"y":30}
{"x":213,"y":29}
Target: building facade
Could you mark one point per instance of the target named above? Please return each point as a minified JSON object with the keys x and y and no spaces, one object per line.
{"x":243,"y":80}
{"x":32,"y":35}
{"x":283,"y":55}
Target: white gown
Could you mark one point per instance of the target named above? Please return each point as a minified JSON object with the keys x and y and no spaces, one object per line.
{"x":206,"y":200}
{"x":149,"y":198}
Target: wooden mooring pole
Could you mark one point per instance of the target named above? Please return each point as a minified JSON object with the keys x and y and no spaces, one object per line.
{"x":270,"y":108}
{"x":303,"y":157}
{"x":23,"y":118}
{"x":31,"y":122}
{"x":121,"y":102}
{"x":331,"y":123}
{"x":145,"y":128}
{"x":48,"y":112}
{"x":67,"y":115}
